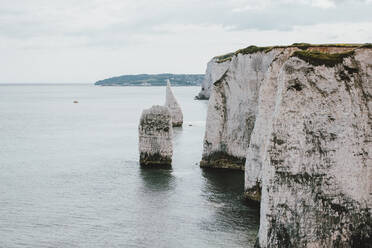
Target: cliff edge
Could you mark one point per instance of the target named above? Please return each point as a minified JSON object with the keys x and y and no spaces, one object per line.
{"x":215,"y":69}
{"x":298,"y":120}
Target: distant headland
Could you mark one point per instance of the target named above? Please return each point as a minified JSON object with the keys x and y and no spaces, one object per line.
{"x":153,"y":80}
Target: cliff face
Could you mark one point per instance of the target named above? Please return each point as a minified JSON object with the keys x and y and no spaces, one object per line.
{"x":303,"y":121}
{"x":215,"y":70}
{"x":317,"y":166}
{"x":262,"y":127}
{"x":232,"y":110}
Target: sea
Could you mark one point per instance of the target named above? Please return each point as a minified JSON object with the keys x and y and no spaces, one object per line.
{"x":70,"y":176}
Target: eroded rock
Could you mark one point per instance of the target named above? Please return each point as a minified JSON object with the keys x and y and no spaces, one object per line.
{"x":317,"y":166}
{"x":155,"y":137}
{"x":174,"y":107}
{"x":301,"y":118}
{"x":232,"y":110}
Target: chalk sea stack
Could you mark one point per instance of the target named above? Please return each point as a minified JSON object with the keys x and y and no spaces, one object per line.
{"x":298,"y":120}
{"x":174,"y":107}
{"x":155,"y":137}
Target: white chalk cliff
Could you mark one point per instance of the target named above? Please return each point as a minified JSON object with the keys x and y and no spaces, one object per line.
{"x":232,"y":110}
{"x":155,"y":136}
{"x":174,"y":107}
{"x":299,"y":118}
{"x":215,"y":69}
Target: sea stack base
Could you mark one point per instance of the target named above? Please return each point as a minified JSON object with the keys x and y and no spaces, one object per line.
{"x":253,"y":194}
{"x":155,"y":160}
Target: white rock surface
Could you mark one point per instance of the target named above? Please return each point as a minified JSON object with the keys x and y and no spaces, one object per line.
{"x":214,"y":71}
{"x":306,"y":131}
{"x":155,"y":136}
{"x":258,"y":143}
{"x":317,"y":166}
{"x":174,"y":107}
{"x":232,"y":110}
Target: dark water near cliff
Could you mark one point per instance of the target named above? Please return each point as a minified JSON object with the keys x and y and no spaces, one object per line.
{"x":69,"y":175}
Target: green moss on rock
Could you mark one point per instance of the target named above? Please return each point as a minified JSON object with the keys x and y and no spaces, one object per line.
{"x":224,"y":58}
{"x":318,"y":58}
{"x":253,"y":195}
{"x":222,"y":160}
{"x":155,"y":160}
{"x":367,"y":45}
{"x":303,"y":46}
{"x":250,"y":50}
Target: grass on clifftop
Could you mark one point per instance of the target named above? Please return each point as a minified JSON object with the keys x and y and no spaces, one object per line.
{"x":223,"y":58}
{"x":318,"y":58}
{"x":367,"y":45}
{"x":247,"y":50}
{"x":302,"y":46}
{"x":251,"y":49}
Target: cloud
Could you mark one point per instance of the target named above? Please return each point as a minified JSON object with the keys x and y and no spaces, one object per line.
{"x":111,"y":37}
{"x":123,"y":20}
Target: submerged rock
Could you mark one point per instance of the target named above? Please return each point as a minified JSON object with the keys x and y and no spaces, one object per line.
{"x":174,"y":107}
{"x":301,"y":118}
{"x":155,"y":137}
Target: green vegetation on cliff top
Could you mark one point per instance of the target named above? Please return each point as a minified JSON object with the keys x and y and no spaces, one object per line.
{"x":302,"y":46}
{"x":317,"y":58}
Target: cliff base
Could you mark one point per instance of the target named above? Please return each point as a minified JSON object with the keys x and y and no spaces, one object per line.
{"x":222,"y":160}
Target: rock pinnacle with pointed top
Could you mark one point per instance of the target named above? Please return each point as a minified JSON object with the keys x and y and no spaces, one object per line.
{"x":174,"y":107}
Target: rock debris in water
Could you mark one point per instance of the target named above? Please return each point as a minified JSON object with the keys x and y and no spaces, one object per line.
{"x":155,"y":137}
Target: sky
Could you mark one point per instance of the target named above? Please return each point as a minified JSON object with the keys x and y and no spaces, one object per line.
{"x":82,"y":41}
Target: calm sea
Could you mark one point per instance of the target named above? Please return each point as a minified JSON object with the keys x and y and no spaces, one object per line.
{"x":69,"y":174}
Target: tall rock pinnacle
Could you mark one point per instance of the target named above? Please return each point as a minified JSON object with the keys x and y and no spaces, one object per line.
{"x":174,"y":107}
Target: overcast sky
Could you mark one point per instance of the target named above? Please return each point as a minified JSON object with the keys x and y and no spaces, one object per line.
{"x":87,"y":40}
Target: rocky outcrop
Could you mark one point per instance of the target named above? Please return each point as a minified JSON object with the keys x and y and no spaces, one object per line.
{"x":215,"y":69}
{"x":155,"y":137}
{"x":174,"y":107}
{"x":232,"y":110}
{"x":317,"y":166}
{"x":303,"y":120}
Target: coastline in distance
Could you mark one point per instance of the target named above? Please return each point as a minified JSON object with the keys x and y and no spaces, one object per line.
{"x":153,"y":80}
